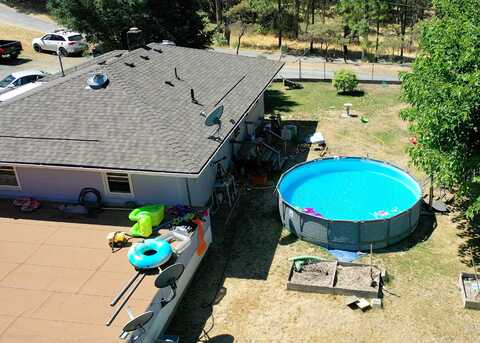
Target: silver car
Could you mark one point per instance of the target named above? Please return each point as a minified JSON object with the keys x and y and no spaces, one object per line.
{"x":19,"y":78}
{"x":61,"y":42}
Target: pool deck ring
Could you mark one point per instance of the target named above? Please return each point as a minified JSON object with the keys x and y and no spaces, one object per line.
{"x":149,"y":254}
{"x":349,"y":233}
{"x":90,"y":190}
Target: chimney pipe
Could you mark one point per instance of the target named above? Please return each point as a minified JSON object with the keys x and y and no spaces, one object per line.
{"x":134,"y":38}
{"x":176,"y":75}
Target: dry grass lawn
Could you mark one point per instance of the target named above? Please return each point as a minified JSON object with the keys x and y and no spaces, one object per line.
{"x":259,"y":41}
{"x":422,"y":303}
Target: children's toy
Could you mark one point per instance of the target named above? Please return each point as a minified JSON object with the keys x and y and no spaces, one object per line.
{"x":146,"y":218}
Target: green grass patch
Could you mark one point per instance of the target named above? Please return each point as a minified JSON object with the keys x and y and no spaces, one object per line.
{"x":317,"y":98}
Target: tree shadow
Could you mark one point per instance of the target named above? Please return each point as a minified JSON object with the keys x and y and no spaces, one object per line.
{"x":469,"y":231}
{"x":277,"y":101}
{"x":356,"y":93}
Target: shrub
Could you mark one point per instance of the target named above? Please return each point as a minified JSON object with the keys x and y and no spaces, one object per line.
{"x":345,"y":81}
{"x":219,"y":39}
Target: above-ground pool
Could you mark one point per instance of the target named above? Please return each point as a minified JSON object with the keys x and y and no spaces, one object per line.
{"x":349,"y":202}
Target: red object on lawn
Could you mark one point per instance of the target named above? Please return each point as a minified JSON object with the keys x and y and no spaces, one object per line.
{"x":413,"y":140}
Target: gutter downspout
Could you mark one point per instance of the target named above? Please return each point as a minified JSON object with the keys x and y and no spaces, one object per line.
{"x":188,"y":192}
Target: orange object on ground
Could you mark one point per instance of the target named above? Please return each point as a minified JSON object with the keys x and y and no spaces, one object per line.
{"x":259,"y":180}
{"x":202,"y":245}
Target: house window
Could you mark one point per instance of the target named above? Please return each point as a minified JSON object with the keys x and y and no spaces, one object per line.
{"x":119,"y":183}
{"x":8,"y":177}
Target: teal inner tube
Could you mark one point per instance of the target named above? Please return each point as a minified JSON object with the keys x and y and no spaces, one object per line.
{"x":149,"y":254}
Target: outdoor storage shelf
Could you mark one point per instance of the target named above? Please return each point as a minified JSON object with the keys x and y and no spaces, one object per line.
{"x":334,"y":285}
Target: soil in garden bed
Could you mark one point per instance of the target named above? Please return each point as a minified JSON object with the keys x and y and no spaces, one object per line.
{"x":316,"y":274}
{"x":471,"y":289}
{"x":357,"y":278}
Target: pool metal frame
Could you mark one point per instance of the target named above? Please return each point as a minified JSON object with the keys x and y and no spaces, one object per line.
{"x":348,"y":234}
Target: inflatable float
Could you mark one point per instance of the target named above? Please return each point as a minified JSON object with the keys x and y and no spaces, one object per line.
{"x":146,"y":217}
{"x":149,"y":254}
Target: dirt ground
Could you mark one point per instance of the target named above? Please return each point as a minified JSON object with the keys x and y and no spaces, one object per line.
{"x":248,"y":266}
{"x":29,"y":59}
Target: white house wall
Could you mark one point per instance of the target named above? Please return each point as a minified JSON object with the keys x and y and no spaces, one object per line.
{"x":51,"y":184}
{"x":256,"y":114}
{"x":201,"y":187}
{"x":159,"y":189}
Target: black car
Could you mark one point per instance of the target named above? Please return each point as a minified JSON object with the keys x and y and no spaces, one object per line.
{"x":10,"y":48}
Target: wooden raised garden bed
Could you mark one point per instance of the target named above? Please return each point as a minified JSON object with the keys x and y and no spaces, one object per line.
{"x":332,"y":277}
{"x":469,"y":291}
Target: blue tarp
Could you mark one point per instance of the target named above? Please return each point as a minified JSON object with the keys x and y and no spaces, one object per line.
{"x":346,"y":256}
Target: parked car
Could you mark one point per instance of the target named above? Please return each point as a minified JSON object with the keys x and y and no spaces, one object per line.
{"x":20,"y":90}
{"x":61,"y":42}
{"x":10,"y":48}
{"x":20,"y":78}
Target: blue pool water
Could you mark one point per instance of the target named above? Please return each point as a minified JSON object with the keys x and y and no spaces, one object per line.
{"x":352,"y":189}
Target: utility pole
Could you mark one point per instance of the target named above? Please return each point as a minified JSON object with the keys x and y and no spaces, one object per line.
{"x":59,"y":54}
{"x":279,"y":23}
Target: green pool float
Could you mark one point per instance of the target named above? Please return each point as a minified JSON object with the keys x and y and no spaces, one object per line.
{"x":146,"y":217}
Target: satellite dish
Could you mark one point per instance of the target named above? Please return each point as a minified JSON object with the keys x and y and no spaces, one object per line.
{"x":138,"y":322}
{"x":169,"y":276}
{"x":214,"y":117}
{"x":97,"y":80}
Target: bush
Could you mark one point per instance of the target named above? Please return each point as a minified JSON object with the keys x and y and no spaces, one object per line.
{"x":345,"y":81}
{"x":219,"y":39}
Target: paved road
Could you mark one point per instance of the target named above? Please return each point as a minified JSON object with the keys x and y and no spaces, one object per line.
{"x":9,"y":15}
{"x":317,"y":72}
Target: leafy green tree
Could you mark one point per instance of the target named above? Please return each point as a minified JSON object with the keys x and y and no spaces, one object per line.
{"x":326,"y":34}
{"x":356,"y":15}
{"x":444,"y":93}
{"x":107,"y":21}
{"x":359,"y":15}
{"x":245,"y":15}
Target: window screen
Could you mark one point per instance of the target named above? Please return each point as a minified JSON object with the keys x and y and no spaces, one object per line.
{"x":8,"y":177}
{"x":118,"y":183}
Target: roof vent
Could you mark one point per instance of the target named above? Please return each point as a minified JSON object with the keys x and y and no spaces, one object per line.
{"x":167,"y":42}
{"x":98,"y":80}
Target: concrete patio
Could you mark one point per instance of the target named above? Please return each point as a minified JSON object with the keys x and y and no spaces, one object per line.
{"x":58,"y":276}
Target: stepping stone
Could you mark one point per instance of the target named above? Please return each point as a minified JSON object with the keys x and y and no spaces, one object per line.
{"x":376,"y":303}
{"x":352,"y":302}
{"x":363,"y":304}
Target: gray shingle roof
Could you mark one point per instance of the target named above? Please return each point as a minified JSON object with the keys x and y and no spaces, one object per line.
{"x":138,"y":122}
